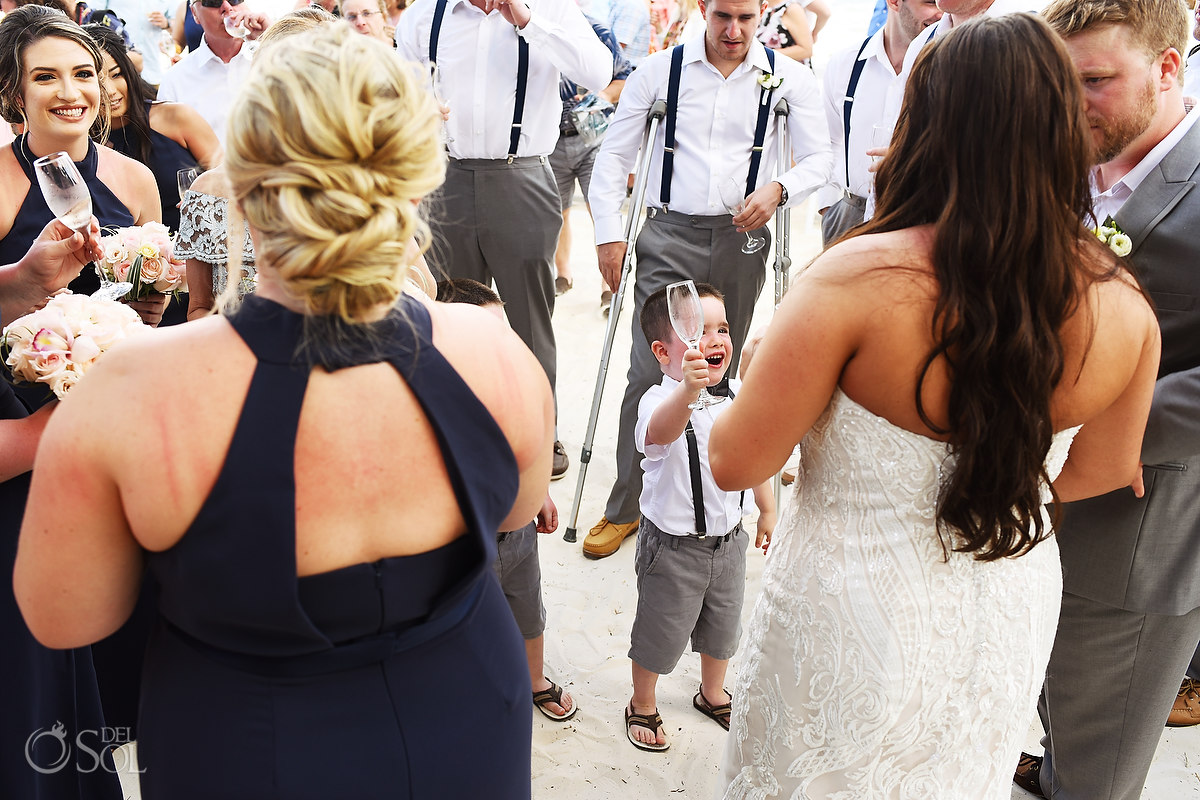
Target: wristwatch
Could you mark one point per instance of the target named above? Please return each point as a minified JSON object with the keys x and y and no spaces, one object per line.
{"x":783,"y":195}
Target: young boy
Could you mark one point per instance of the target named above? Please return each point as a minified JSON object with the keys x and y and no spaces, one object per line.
{"x":516,"y":563}
{"x":691,"y":548}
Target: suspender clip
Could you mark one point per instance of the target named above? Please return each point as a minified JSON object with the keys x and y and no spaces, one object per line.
{"x":756,"y":149}
{"x":511,"y":157}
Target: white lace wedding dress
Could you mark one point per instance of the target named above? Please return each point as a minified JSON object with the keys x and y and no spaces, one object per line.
{"x":874,"y":667}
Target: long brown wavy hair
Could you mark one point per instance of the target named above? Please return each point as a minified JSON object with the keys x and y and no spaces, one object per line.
{"x":992,"y":148}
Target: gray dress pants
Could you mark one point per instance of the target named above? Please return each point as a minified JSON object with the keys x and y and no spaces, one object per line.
{"x":495,"y":220}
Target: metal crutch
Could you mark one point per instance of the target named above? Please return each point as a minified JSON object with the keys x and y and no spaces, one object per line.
{"x":783,"y":225}
{"x":636,"y":204}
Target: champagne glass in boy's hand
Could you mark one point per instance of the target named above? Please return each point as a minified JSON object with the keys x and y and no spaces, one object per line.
{"x":687,"y":318}
{"x":734,"y":199}
{"x":68,"y":198}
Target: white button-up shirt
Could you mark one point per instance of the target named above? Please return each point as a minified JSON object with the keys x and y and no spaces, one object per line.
{"x":667,"y":483}
{"x":477,"y":65}
{"x":206,"y":83}
{"x":866,"y":110}
{"x":714,"y":134}
{"x":1107,"y":203}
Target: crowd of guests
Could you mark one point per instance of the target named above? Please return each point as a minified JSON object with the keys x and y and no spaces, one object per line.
{"x":282,"y":612}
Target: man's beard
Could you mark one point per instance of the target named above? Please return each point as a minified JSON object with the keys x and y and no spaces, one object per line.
{"x":1116,"y":134}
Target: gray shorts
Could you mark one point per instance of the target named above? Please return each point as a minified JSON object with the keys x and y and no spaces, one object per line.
{"x":520,"y":577}
{"x":687,"y":587}
{"x":572,"y":159}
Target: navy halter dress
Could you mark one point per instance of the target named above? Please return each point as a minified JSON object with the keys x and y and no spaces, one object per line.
{"x":167,"y":157}
{"x":34,"y":213}
{"x":402,"y":678}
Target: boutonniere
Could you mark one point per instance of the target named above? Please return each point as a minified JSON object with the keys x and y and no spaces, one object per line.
{"x":769,"y":80}
{"x":1118,"y":241}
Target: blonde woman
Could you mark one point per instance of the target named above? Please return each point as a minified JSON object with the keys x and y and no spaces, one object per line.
{"x":331,"y":623}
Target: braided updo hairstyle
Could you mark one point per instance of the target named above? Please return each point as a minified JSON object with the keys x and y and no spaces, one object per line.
{"x":332,"y":142}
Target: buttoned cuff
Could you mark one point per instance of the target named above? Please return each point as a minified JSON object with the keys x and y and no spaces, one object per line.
{"x":827,"y":195}
{"x":533,"y":32}
{"x":795,"y":190}
{"x":609,"y":229}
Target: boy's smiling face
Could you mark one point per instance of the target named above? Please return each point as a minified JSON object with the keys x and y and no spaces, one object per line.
{"x":715,"y":344}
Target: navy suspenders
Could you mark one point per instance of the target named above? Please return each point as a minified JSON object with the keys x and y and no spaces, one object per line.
{"x":668,"y":159}
{"x":697,"y":486}
{"x":514,"y":136}
{"x":855,"y":74}
{"x":760,"y":128}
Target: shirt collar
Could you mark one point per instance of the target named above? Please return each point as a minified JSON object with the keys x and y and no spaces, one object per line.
{"x":876,"y":50}
{"x":204,"y":53}
{"x":693,"y":50}
{"x":1130,"y":181}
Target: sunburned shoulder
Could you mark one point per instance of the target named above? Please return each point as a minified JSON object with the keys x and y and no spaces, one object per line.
{"x":213,"y":182}
{"x":894,"y":256}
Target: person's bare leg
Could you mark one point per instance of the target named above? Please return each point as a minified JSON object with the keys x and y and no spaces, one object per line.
{"x":645,"y":702}
{"x":534,"y":649}
{"x":712,"y":680}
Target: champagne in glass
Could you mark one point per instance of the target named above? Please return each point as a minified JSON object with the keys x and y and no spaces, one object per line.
{"x":439,"y":94}
{"x":687,"y":318}
{"x":68,"y":198}
{"x":734,"y":199}
{"x":184,"y":179}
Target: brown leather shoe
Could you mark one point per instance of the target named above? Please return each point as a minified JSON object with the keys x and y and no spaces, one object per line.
{"x":1028,"y":774}
{"x":605,"y":537}
{"x":560,"y":463}
{"x":1186,"y":711}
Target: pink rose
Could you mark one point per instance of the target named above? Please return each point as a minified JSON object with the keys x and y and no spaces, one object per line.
{"x":152,"y":270}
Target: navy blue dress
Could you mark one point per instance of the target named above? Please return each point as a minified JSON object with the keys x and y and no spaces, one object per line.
{"x":167,"y":157}
{"x":40,"y":688}
{"x":402,"y":678}
{"x":34,"y":213}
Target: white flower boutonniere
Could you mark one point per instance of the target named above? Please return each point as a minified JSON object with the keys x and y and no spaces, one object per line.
{"x":1118,"y":241}
{"x":769,"y":80}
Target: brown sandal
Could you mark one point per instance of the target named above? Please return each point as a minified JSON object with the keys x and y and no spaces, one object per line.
{"x":651,"y":722}
{"x":553,"y":695}
{"x":718,"y":714}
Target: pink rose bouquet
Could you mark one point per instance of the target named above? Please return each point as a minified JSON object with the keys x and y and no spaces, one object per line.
{"x":58,"y":343}
{"x":142,"y":255}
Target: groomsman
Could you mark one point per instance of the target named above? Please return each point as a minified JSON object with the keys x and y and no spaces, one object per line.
{"x":499,"y":63}
{"x":856,"y":85}
{"x":719,"y":118}
{"x":1131,"y":565}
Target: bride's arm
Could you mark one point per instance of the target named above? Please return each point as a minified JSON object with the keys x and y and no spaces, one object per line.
{"x":795,"y":371}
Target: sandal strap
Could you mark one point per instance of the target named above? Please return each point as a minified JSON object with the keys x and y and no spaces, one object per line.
{"x":651,"y":722}
{"x":551,"y":695}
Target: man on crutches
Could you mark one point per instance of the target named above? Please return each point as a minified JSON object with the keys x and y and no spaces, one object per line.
{"x":720,"y":92}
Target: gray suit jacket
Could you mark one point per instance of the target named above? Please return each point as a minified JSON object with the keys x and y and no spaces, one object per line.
{"x":1144,"y":555}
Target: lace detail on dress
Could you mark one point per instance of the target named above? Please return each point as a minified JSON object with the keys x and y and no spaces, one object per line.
{"x":203,"y":225}
{"x":874,"y":667}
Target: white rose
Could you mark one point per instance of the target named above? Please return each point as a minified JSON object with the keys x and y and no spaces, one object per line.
{"x":1121,"y":244}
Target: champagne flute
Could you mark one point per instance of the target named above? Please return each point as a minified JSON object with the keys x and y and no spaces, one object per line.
{"x":68,"y":198}
{"x":687,"y":318}
{"x":439,"y":94}
{"x":234,"y":27}
{"x":184,"y":179}
{"x":733,"y":197}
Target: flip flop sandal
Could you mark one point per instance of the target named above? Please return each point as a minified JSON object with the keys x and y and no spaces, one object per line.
{"x":1028,"y":774}
{"x":649,"y":721}
{"x":553,"y":695}
{"x":718,"y":714}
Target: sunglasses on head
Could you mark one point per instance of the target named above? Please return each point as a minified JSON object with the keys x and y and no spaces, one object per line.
{"x":219,"y":3}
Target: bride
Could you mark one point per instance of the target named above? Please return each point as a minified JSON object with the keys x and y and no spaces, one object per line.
{"x":937,"y":364}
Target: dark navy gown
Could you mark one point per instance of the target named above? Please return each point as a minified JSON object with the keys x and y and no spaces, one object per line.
{"x":402,"y":678}
{"x":167,"y":157}
{"x":41,"y":688}
{"x":118,"y":658}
